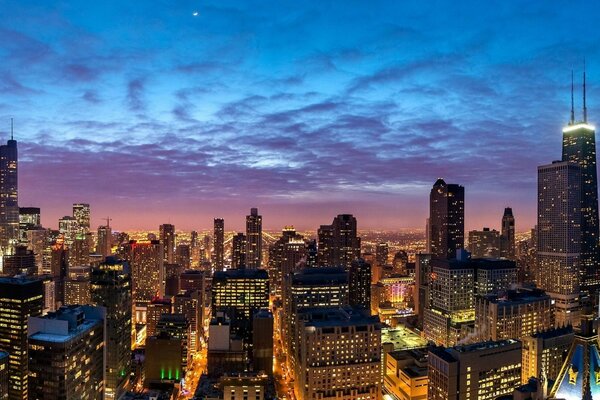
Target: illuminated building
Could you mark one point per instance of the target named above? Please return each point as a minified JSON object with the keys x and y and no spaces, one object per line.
{"x":183,"y":256}
{"x":311,"y":254}
{"x":22,"y":261}
{"x":395,"y":292}
{"x":558,"y":237}
{"x":66,"y":353}
{"x":172,"y":273}
{"x":195,"y":249}
{"x":494,"y":275}
{"x":262,"y":342}
{"x":20,"y":298}
{"x":79,"y":251}
{"x":104,"y":241}
{"x":244,"y":387}
{"x":507,"y":236}
{"x":293,"y":257}
{"x":9,"y":196}
{"x":446,"y":219}
{"x":399,"y":262}
{"x":381,"y":253}
{"x":225,"y":352}
{"x":405,"y":374}
{"x":147,"y":274}
{"x":579,"y":147}
{"x":81,"y":213}
{"x":253,"y":239}
{"x":484,"y":243}
{"x":111,"y":289}
{"x":422,"y":276}
{"x":157,"y":307}
{"x":37,"y":241}
{"x":325,"y":246}
{"x":163,"y":359}
{"x":482,"y":371}
{"x":3,"y":375}
{"x":191,"y":280}
{"x":545,"y":351}
{"x":339,"y":355}
{"x":77,"y":286}
{"x":190,"y":304}
{"x":238,"y":251}
{"x":69,"y":228}
{"x":277,"y":255}
{"x":177,"y":326}
{"x":513,"y":314}
{"x":29,"y":219}
{"x":219,"y":244}
{"x":360,"y":284}
{"x":167,"y":239}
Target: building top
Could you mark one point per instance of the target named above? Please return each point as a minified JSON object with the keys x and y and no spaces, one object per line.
{"x":474,"y":263}
{"x":513,"y":297}
{"x":322,"y":275}
{"x":241,"y":273}
{"x":65,"y":324}
{"x":483,"y":346}
{"x":552,"y":333}
{"x":321,"y":317}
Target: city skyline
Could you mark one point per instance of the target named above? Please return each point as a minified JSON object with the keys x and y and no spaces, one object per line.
{"x":305,"y":112}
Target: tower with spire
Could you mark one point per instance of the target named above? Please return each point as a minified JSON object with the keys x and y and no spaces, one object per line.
{"x":579,"y":147}
{"x":9,"y":194}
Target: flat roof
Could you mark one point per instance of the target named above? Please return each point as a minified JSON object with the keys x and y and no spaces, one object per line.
{"x":73,"y":333}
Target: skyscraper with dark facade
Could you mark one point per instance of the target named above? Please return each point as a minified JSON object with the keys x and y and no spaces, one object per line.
{"x":325,"y":246}
{"x":167,"y":238}
{"x":579,"y":147}
{"x":253,"y":239}
{"x":9,"y":196}
{"x":219,"y":244}
{"x":507,"y":235}
{"x":360,"y":284}
{"x":346,"y":243}
{"x":238,"y":251}
{"x":111,"y":289}
{"x":446,"y":219}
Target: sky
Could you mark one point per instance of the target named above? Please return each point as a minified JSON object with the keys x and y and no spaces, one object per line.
{"x":181,"y":111}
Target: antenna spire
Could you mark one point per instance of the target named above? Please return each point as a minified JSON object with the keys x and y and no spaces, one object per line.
{"x":12,"y":128}
{"x":572,"y":102}
{"x":584,"y":104}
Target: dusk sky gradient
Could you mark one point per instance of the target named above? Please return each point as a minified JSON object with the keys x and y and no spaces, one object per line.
{"x":302,"y":109}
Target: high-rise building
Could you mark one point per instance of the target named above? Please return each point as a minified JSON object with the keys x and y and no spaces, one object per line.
{"x":559,"y":237}
{"x":9,"y":196}
{"x":183,"y":256}
{"x":191,"y":280}
{"x":191,"y":304}
{"x":177,"y":326}
{"x":29,"y":219}
{"x":484,"y":243}
{"x":405,"y":374}
{"x":68,"y":228}
{"x":104,"y":241}
{"x":238,"y":251}
{"x":360,"y":284}
{"x":163,"y":359}
{"x":167,"y":238}
{"x":20,"y":298}
{"x":254,"y":239}
{"x":111,"y":289}
{"x":172,"y":273}
{"x":77,"y":286}
{"x":422,"y":280}
{"x":325,"y":246}
{"x":293,"y":259}
{"x":157,"y":307}
{"x":381,"y":253}
{"x":81,"y":213}
{"x":21,"y":261}
{"x":486,"y":370}
{"x":339,"y":355}
{"x":262,"y":342}
{"x":66,"y":354}
{"x":277,"y":255}
{"x":346,"y":243}
{"x":579,"y":147}
{"x":446,"y":219}
{"x":219,"y":244}
{"x":544,"y":353}
{"x":507,"y":238}
{"x":147,"y":274}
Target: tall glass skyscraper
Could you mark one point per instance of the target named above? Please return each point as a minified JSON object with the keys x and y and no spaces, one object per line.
{"x":253,"y":239}
{"x":9,"y":197}
{"x":446,"y":219}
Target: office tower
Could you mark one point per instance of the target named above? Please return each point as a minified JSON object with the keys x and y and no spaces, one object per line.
{"x":22,"y":261}
{"x":219,"y":244}
{"x":77,"y":286}
{"x":422,"y":279}
{"x":245,"y":386}
{"x":192,"y":280}
{"x":262,"y":342}
{"x":20,"y":298}
{"x":558,"y":237}
{"x":9,"y":196}
{"x":405,"y":373}
{"x":325,"y":246}
{"x":163,"y":359}
{"x":172,"y":273}
{"x":254,"y":239}
{"x":331,"y":365}
{"x":157,"y":307}
{"x":277,"y":255}
{"x":59,"y":265}
{"x":206,"y":250}
{"x":225,"y":352}
{"x":177,"y":326}
{"x":111,"y":289}
{"x":183,"y":256}
{"x":507,"y":238}
{"x":240,"y":293}
{"x":381,"y":253}
{"x":37,"y":241}
{"x":579,"y":147}
{"x":311,"y":254}
{"x":81,"y":213}
{"x":69,"y":228}
{"x":238,"y":251}
{"x":446,"y":219}
{"x":79,"y":251}
{"x":493,"y":276}
{"x":167,"y":238}
{"x":346,"y":243}
{"x":292,"y":260}
{"x":104,"y":243}
{"x":486,"y":370}
{"x":191,"y":304}
{"x":513,"y":314}
{"x":3,"y":375}
{"x":392,"y":298}
{"x":49,"y":290}
{"x":29,"y":219}
{"x":147,"y":274}
{"x":360,"y":284}
{"x":399,"y":262}
{"x":485,"y":243}
{"x":545,"y":351}
{"x":66,"y":354}
{"x":195,"y":249}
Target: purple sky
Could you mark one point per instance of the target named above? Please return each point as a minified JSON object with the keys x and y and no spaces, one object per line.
{"x":303,"y":109}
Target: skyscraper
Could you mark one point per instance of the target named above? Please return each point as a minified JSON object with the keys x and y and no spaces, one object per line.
{"x":485,"y":243}
{"x":29,"y":219}
{"x":346,"y":243}
{"x":253,"y":239}
{"x":111,"y":289}
{"x":446,"y":219}
{"x":81,"y":213}
{"x":507,"y":235}
{"x":167,"y":238}
{"x":147,"y":272}
{"x":360,"y":284}
{"x":9,"y":196}
{"x":219,"y":244}
{"x":238,"y":251}
{"x":325,"y":246}
{"x":104,"y":244}
{"x":558,"y":237}
{"x":579,"y":147}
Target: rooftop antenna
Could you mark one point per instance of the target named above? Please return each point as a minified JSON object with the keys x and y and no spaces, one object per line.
{"x":572,"y":101}
{"x":108,"y":219}
{"x":584,"y":105}
{"x":12,"y":126}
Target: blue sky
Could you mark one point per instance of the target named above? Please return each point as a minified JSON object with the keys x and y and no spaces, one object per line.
{"x":304,"y":109}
